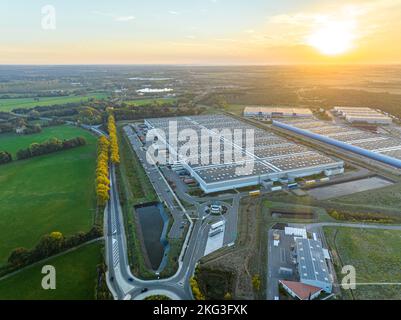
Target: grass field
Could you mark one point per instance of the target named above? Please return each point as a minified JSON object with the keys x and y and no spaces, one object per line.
{"x":9,"y":104}
{"x":237,"y":109}
{"x":387,"y":197}
{"x":47,"y":193}
{"x":376,"y":256}
{"x":141,"y":102}
{"x":75,"y":277}
{"x":13,"y":142}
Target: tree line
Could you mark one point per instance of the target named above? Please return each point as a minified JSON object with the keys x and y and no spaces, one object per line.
{"x":151,"y":111}
{"x":5,"y":157}
{"x":102,"y":171}
{"x":107,"y":151}
{"x":49,"y":244}
{"x":114,"y":154}
{"x":49,"y":146}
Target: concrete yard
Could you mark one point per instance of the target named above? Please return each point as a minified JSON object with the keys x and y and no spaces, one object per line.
{"x":342,"y":189}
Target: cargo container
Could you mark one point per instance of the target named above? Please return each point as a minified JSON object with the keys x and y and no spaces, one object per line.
{"x":278,"y":188}
{"x":217,"y":224}
{"x":254,"y":193}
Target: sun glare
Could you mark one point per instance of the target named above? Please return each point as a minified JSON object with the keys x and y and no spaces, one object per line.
{"x":333,"y":38}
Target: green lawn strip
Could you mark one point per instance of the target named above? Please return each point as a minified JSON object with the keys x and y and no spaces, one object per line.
{"x":75,"y":277}
{"x":133,"y":171}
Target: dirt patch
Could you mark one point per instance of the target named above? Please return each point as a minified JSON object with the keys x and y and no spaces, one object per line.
{"x":215,"y":284}
{"x":246,"y":259}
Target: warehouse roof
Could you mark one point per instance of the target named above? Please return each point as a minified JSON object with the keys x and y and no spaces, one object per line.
{"x":377,"y":143}
{"x":284,"y":110}
{"x":223,"y":159}
{"x":297,"y":232}
{"x":311,"y":261}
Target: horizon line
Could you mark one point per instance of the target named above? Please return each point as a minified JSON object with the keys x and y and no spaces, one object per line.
{"x":201,"y":64}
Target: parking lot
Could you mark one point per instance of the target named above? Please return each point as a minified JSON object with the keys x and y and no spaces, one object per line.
{"x":280,"y":256}
{"x":342,"y":189}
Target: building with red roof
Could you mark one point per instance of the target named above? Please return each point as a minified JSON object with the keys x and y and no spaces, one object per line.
{"x":300,"y":290}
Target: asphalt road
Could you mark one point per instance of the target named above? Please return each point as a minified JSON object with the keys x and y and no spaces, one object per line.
{"x":120,"y":279}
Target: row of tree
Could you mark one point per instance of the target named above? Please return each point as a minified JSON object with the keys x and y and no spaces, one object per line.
{"x":198,"y":295}
{"x":49,"y":146}
{"x":151,"y":111}
{"x":50,"y":244}
{"x":114,"y":154}
{"x":102,"y":171}
{"x":5,"y":157}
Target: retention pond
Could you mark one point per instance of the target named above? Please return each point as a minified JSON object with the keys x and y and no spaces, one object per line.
{"x":153,"y":224}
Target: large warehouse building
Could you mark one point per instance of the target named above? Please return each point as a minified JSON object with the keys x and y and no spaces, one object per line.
{"x":375,"y":146}
{"x":362,"y":115}
{"x":271,"y":159}
{"x":277,"y":112}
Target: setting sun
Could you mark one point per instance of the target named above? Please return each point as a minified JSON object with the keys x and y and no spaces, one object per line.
{"x":333,"y":38}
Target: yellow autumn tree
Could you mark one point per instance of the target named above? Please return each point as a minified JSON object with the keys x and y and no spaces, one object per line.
{"x":256,"y":282}
{"x":195,"y":289}
{"x":114,"y":153}
{"x":102,"y":171}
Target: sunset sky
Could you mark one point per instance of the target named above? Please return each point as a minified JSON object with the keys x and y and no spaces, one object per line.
{"x":201,"y":32}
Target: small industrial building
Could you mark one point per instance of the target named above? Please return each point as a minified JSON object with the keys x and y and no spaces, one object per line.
{"x":303,"y":263}
{"x":362,"y":115}
{"x":296,"y":232}
{"x":270,"y":157}
{"x":277,"y":112}
{"x":312,"y":266}
{"x":300,"y":290}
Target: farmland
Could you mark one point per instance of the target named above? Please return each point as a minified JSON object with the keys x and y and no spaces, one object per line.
{"x":141,"y":102}
{"x":75,"y":277}
{"x":13,"y":142}
{"x":46,"y":193}
{"x":376,"y":256}
{"x":8,"y":105}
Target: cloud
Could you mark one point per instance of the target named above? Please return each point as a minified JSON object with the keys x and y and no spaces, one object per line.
{"x":124,"y":18}
{"x":174,"y":12}
{"x":115,"y":17}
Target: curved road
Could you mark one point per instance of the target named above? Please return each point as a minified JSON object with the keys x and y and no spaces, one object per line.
{"x":120,"y":279}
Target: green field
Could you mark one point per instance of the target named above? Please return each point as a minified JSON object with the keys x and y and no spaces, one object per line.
{"x":237,"y":109}
{"x":13,"y":142}
{"x":141,"y":102}
{"x":388,"y":197}
{"x":9,"y":104}
{"x":75,"y":277}
{"x":47,"y":193}
{"x":376,"y":256}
